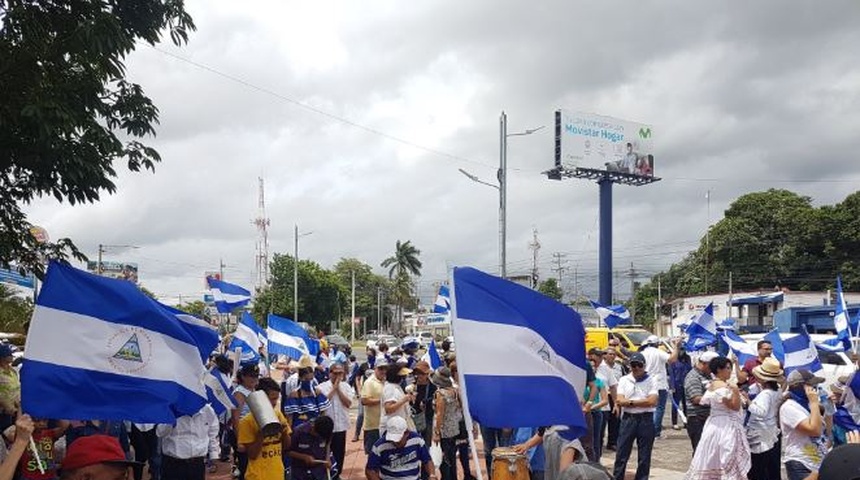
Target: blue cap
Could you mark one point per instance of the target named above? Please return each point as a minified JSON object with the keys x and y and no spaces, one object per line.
{"x":5,"y":350}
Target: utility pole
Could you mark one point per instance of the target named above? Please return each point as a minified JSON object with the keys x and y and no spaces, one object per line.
{"x":503,"y":190}
{"x":632,"y":274}
{"x":708,"y":242}
{"x":534,"y":246}
{"x":352,"y":318}
{"x":575,"y":284}
{"x":559,"y":269}
{"x":221,"y":268}
{"x":296,"y":274}
{"x":378,"y":310}
{"x":729,"y":309}
{"x":100,"y":270}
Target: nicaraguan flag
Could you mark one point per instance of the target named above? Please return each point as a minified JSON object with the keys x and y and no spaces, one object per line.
{"x":287,"y":337}
{"x":776,"y":342}
{"x":702,"y":331}
{"x":520,"y":353}
{"x":612,"y":315}
{"x":842,"y":341}
{"x":247,"y":338}
{"x":205,"y":335}
{"x":218,"y":392}
{"x":443,"y":300}
{"x":228,"y":297}
{"x":99,"y":348}
{"x":800,"y":353}
{"x":432,"y":356}
{"x":742,"y":350}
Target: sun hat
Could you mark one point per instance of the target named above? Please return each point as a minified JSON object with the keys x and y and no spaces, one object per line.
{"x":395,"y":427}
{"x":94,"y":449}
{"x":768,"y":371}
{"x":442,"y":377}
{"x":306,"y":362}
{"x":708,"y":356}
{"x":422,"y":366}
{"x":803,"y":377}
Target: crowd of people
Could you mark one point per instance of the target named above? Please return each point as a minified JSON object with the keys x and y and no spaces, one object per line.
{"x":747,"y":421}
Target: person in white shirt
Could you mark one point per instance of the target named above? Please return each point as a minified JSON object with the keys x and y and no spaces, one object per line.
{"x":637,"y":399}
{"x":186,"y":445}
{"x":802,"y":424}
{"x":340,"y":395}
{"x":655,"y":364}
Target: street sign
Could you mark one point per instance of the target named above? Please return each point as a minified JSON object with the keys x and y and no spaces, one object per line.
{"x":15,"y":278}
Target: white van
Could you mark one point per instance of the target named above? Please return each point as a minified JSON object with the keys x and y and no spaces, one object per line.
{"x":836,"y":364}
{"x":424,"y":339}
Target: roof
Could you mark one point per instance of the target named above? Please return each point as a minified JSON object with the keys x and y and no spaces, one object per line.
{"x":759,"y":299}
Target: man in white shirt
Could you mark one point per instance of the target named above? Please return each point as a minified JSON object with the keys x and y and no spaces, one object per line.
{"x":185,"y":446}
{"x":637,"y":399}
{"x":340,"y":395}
{"x":655,"y":364}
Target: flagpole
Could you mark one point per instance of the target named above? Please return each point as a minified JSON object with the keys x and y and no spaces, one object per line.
{"x":467,"y":415}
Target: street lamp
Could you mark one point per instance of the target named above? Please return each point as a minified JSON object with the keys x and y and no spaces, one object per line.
{"x":296,"y":273}
{"x":102,"y":249}
{"x":502,"y":187}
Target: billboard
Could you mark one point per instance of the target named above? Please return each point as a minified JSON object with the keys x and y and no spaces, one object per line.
{"x":586,"y":140}
{"x":120,"y":270}
{"x":11,"y":276}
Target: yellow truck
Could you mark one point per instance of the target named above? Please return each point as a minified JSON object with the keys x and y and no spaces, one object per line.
{"x":629,"y":337}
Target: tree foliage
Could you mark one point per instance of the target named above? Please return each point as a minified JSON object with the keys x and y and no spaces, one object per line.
{"x":67,"y":111}
{"x":768,"y":241}
{"x":15,"y":311}
{"x":550,"y":288}
{"x":401,"y":266}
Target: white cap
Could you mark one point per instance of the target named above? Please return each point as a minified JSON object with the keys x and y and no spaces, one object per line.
{"x":652,"y":340}
{"x":706,"y":357}
{"x":395,"y":427}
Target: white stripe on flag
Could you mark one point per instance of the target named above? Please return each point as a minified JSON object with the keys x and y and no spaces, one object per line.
{"x":519,"y":355}
{"x":282,"y":338}
{"x":228,"y":297}
{"x":97,"y":349}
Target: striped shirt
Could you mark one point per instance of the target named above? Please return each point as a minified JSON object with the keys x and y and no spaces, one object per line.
{"x":399,"y":463}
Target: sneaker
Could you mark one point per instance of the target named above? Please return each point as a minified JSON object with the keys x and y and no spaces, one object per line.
{"x":676,"y":427}
{"x":236,"y":472}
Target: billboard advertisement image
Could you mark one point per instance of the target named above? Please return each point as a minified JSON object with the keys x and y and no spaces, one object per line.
{"x":120,"y":270}
{"x":586,"y":140}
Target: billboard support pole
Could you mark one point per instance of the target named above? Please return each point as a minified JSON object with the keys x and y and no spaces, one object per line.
{"x":605,"y":262}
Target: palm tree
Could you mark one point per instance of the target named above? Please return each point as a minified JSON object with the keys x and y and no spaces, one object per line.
{"x":403,"y":263}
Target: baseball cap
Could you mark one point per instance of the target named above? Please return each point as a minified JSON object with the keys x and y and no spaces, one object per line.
{"x":652,"y":340}
{"x":5,"y":350}
{"x":842,"y":463}
{"x":395,"y":427}
{"x":595,"y":351}
{"x":637,"y":357}
{"x":381,"y":362}
{"x":95,"y":449}
{"x":802,"y":376}
{"x":708,"y":356}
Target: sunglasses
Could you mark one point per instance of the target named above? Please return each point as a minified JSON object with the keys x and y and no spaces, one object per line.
{"x":636,"y":365}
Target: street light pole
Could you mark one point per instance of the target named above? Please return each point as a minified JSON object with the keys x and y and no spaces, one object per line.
{"x":352,"y":318}
{"x":296,"y":272}
{"x":502,"y":187}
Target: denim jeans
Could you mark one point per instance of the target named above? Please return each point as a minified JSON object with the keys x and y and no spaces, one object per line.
{"x":494,"y":437}
{"x":796,"y":470}
{"x":638,"y":427}
{"x":597,"y":439}
{"x":662,"y":396}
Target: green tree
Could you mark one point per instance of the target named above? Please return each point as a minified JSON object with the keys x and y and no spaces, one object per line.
{"x":197,"y":307}
{"x":322,"y":297}
{"x":67,"y":111}
{"x":550,"y":288}
{"x":367,"y":288}
{"x":15,"y":311}
{"x":147,"y":292}
{"x":401,"y":266}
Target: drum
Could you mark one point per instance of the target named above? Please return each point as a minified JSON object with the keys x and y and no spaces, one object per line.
{"x":509,"y":465}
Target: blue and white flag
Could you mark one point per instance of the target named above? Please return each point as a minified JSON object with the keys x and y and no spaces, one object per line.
{"x":842,"y":341}
{"x":742,"y":350}
{"x":247,"y":338}
{"x":702,"y":331}
{"x":228,"y":297}
{"x":218,"y":392}
{"x":205,"y":335}
{"x":432,"y":356}
{"x":443,"y":300}
{"x":775,"y":340}
{"x":99,"y":348}
{"x":612,"y":315}
{"x":521,"y":354}
{"x":800,"y":353}
{"x":848,"y":413}
{"x":287,"y":337}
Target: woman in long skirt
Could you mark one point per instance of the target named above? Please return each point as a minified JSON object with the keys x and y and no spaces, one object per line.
{"x":723,"y":452}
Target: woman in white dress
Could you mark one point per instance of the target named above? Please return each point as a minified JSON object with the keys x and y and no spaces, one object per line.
{"x":723,"y":452}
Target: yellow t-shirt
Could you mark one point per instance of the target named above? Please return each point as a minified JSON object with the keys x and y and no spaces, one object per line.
{"x":10,"y":390}
{"x":372,"y":388}
{"x":268,"y":465}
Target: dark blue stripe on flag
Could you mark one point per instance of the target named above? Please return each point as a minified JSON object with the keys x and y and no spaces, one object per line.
{"x":56,"y":391}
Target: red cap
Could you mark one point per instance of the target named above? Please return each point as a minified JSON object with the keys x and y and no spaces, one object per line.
{"x":94,"y":449}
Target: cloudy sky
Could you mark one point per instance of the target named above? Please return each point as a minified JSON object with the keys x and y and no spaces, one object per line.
{"x":358,"y":116}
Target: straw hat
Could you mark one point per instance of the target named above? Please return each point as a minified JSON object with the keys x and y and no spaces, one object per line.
{"x":306,"y":362}
{"x":769,"y":371}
